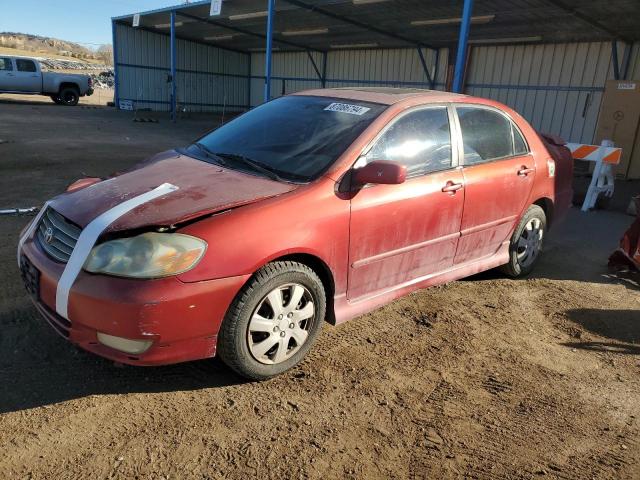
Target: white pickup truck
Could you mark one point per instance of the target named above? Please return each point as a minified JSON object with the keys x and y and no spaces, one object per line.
{"x":25,"y":75}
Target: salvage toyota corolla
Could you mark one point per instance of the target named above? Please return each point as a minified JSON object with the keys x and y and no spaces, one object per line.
{"x":316,"y":206}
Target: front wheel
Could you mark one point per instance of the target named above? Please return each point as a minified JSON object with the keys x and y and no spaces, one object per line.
{"x":274,"y":320}
{"x":526,"y":243}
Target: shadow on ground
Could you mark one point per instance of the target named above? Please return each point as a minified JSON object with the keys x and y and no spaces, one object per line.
{"x":621,"y":326}
{"x":40,"y":368}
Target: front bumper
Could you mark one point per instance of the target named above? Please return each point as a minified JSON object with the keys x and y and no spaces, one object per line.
{"x":181,"y":318}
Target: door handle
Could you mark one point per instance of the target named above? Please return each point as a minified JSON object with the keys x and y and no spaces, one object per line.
{"x":451,"y":188}
{"x":524,"y":171}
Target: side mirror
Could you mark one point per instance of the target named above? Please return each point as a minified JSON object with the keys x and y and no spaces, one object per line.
{"x":380,"y":172}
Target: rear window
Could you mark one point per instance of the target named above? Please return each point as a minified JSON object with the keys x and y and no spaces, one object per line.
{"x":519,"y":145}
{"x":486,"y":135}
{"x":25,"y":65}
{"x":5,"y":64}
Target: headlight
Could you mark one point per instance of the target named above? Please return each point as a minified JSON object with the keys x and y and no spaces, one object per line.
{"x":150,"y":255}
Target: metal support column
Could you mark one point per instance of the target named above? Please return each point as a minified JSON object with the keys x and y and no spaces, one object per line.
{"x":425,"y":68}
{"x":269,"y":52}
{"x":626,"y":60}
{"x":116,"y":98}
{"x":614,"y":59}
{"x":435,"y":70}
{"x":324,"y":70}
{"x":174,"y":101}
{"x":462,"y":46}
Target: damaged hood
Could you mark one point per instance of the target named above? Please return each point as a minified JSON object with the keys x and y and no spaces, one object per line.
{"x":204,"y":189}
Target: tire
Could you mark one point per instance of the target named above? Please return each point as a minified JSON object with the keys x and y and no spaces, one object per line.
{"x":56,"y":99}
{"x":69,"y":96}
{"x":251,"y":320}
{"x":528,"y":235}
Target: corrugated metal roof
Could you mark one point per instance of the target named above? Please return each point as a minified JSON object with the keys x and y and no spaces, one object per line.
{"x":335,"y":24}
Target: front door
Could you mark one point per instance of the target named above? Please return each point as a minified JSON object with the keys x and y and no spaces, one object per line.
{"x":403,"y":232}
{"x":498,"y":175}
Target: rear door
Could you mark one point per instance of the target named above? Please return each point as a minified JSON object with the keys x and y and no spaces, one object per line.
{"x":498,"y":175}
{"x":7,"y":74}
{"x":399,"y":233}
{"x":27,"y":75}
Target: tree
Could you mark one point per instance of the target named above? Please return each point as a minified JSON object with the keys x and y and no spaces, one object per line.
{"x":105,"y":54}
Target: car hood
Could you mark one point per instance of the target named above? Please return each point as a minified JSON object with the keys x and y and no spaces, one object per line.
{"x":203,"y":189}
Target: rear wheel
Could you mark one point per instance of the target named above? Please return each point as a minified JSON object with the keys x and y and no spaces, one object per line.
{"x":69,"y":96}
{"x":274,"y":321}
{"x":526,"y":243}
{"x":56,"y":99}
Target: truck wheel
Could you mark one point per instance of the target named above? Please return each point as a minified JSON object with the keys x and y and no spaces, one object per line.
{"x":56,"y":99}
{"x":526,"y":243}
{"x":69,"y":96}
{"x":274,"y":320}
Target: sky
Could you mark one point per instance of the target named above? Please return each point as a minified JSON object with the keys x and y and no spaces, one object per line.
{"x":86,"y":22}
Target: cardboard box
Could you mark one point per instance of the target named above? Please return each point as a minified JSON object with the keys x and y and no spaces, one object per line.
{"x":618,"y":121}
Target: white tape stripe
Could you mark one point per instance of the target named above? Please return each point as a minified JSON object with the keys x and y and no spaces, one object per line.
{"x":88,"y":238}
{"x":31,"y":229}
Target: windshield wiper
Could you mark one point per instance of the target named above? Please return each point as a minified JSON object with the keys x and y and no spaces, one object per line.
{"x":256,"y":166}
{"x":209,"y":154}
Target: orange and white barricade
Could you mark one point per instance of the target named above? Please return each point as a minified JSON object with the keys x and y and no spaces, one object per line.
{"x":605,"y":157}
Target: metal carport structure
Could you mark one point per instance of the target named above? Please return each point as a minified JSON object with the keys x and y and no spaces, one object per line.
{"x":326,"y":42}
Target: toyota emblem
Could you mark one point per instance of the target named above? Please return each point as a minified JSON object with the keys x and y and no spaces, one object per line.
{"x":48,"y":235}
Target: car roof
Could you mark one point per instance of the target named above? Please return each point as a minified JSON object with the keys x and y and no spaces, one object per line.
{"x":384,"y":95}
{"x":19,"y":57}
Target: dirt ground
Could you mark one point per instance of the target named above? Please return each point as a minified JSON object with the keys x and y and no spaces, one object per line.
{"x":485,"y":378}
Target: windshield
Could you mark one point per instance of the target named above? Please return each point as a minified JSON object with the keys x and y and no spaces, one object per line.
{"x":296,"y":138}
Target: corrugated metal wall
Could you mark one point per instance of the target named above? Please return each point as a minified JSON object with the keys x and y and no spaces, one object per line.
{"x":557,"y":87}
{"x":207,"y":77}
{"x":292,"y":72}
{"x":634,"y":65}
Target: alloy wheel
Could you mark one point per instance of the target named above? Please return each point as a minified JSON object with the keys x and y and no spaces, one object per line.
{"x":280,"y":324}
{"x":530,"y":242}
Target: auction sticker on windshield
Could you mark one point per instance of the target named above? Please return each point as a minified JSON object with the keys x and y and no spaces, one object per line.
{"x":347,"y":108}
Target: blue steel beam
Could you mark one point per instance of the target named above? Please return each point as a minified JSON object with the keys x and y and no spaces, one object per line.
{"x":174,"y":101}
{"x":324,"y":70}
{"x":462,"y":46}
{"x":114,"y":46}
{"x":269,"y":53}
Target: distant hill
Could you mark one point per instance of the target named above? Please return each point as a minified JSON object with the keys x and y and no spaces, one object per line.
{"x":50,"y":47}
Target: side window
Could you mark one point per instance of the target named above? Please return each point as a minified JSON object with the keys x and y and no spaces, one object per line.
{"x":25,"y":65}
{"x":486,"y":135}
{"x":5,"y":64}
{"x":519,"y":145}
{"x":421,"y":140}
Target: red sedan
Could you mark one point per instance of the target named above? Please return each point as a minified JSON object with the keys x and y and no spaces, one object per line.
{"x":316,"y":206}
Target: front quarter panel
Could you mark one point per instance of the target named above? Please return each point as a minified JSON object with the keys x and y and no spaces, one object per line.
{"x":311,"y":220}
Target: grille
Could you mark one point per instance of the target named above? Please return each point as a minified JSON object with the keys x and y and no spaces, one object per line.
{"x":57,"y":236}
